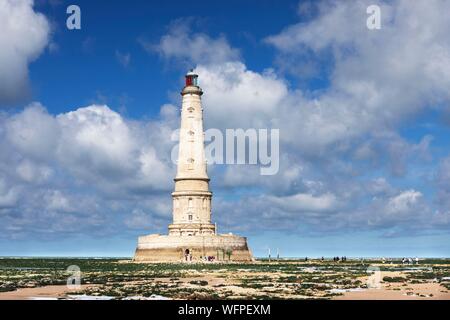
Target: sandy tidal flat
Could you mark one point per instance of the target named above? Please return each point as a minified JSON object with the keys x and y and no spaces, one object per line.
{"x":105,"y":279}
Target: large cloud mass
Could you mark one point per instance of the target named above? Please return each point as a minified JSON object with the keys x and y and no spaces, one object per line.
{"x":75,"y":169}
{"x":24,"y":35}
{"x":340,"y":144}
{"x":345,"y":163}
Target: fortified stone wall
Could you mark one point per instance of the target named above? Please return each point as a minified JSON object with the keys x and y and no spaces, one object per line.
{"x":157,"y":241}
{"x":159,"y":248}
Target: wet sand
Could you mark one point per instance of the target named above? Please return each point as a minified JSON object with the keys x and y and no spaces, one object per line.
{"x":388,"y":291}
{"x":396,"y":291}
{"x":47,"y":292}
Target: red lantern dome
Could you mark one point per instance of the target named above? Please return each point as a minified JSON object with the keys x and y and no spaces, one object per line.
{"x":191,"y":79}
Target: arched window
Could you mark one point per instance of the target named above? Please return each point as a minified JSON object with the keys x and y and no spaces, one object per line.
{"x":191,"y":135}
{"x":190,"y":163}
{"x":190,"y":203}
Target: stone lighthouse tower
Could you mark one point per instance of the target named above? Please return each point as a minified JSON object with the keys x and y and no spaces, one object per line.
{"x":191,"y":198}
{"x":192,"y":236}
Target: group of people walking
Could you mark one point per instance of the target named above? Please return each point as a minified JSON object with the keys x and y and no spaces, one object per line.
{"x":337,"y":259}
{"x":410,"y":260}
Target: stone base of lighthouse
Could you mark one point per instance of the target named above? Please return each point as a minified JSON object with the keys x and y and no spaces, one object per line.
{"x":175,"y":248}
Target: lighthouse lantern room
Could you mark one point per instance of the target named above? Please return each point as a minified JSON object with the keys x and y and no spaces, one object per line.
{"x":191,"y":79}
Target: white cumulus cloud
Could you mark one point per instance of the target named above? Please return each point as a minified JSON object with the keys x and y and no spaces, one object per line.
{"x":24,"y":35}
{"x":188,"y":48}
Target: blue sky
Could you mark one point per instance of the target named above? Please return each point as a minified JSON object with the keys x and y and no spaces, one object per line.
{"x":86,"y":115}
{"x":109,"y":27}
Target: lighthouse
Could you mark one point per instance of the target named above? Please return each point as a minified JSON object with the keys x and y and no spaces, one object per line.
{"x":191,"y":197}
{"x":192,"y":235}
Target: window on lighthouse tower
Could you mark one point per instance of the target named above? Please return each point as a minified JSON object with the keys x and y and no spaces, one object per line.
{"x":191,"y":135}
{"x":190,"y":164}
